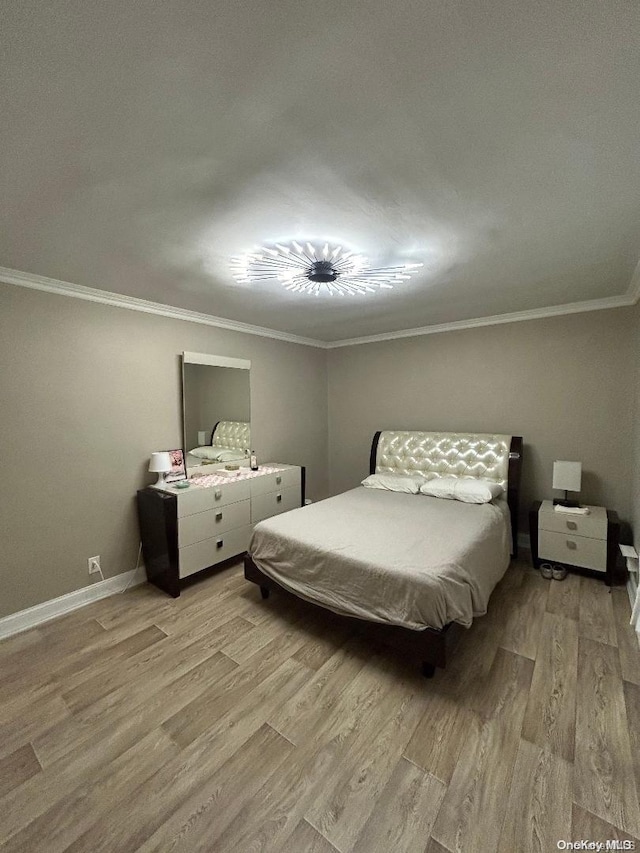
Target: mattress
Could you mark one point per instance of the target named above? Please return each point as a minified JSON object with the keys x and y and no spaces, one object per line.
{"x":400,"y":559}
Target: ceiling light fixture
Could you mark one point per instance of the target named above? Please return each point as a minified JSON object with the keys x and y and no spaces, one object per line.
{"x":317,"y":269}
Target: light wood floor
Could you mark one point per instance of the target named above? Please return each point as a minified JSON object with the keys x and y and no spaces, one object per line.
{"x":219,"y":722}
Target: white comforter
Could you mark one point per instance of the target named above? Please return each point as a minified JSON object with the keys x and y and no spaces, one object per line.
{"x":382,"y":556}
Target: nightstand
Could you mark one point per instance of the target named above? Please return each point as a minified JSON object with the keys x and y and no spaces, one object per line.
{"x":576,"y":541}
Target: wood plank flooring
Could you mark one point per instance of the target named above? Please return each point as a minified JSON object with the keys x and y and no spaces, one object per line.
{"x":219,"y":723}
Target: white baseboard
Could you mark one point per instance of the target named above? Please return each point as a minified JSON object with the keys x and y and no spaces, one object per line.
{"x":32,"y":616}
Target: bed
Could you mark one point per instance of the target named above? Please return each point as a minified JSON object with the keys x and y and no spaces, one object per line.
{"x":230,"y":442}
{"x":410,"y":565}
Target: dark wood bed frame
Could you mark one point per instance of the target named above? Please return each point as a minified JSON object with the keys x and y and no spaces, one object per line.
{"x":431,"y":644}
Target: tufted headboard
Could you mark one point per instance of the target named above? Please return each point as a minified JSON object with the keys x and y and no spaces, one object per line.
{"x":453,"y":454}
{"x":232,"y":435}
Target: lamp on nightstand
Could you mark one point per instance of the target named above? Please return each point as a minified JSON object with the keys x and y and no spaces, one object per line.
{"x":568,"y":477}
{"x":160,"y":463}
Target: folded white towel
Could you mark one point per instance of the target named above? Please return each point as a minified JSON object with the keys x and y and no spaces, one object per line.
{"x":573,"y":510}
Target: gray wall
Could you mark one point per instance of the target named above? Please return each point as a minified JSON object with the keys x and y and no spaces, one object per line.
{"x":635,"y":391}
{"x":564,"y":384}
{"x":87,"y":392}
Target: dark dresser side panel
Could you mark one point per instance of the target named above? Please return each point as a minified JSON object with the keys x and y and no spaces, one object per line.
{"x":158,"y":517}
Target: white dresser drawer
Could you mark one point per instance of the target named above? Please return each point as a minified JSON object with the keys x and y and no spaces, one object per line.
{"x":574,"y":550}
{"x":212,"y":522}
{"x":274,"y":482}
{"x":593,"y":525}
{"x":199,"y":556}
{"x":264,"y":506}
{"x":201,"y":499}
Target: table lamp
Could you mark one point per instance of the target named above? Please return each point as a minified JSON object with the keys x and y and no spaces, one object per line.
{"x":160,"y":463}
{"x":568,"y":477}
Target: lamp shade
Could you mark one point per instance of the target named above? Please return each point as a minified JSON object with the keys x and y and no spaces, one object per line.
{"x":567,"y":476}
{"x":160,"y":462}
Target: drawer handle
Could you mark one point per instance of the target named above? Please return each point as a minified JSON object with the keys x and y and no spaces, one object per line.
{"x":219,"y":543}
{"x":571,"y":545}
{"x":278,"y":480}
{"x":572,"y":525}
{"x":218,"y":494}
{"x":218,"y":516}
{"x":278,"y":498}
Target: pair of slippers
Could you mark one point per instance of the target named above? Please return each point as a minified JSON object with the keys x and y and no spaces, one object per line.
{"x":553,"y":570}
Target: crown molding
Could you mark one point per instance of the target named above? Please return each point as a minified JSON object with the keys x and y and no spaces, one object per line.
{"x":497,"y":320}
{"x":132,"y":303}
{"x":118,"y":300}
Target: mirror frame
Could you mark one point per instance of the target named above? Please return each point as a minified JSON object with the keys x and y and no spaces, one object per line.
{"x":215,"y":360}
{"x":211,"y":361}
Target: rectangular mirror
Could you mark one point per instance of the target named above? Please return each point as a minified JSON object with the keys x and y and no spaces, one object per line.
{"x":216,"y":408}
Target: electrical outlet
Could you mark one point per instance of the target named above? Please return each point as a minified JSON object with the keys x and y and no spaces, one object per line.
{"x":94,"y":565}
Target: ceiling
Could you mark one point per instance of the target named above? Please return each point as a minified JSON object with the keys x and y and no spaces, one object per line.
{"x":145,"y":143}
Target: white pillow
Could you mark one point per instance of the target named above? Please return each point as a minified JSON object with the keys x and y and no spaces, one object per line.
{"x":466,"y":489}
{"x":394,"y":483}
{"x":217,"y":454}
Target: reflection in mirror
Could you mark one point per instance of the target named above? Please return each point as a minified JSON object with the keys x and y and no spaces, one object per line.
{"x":216,"y":409}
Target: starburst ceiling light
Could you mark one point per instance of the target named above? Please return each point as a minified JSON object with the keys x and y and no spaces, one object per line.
{"x":317,"y":269}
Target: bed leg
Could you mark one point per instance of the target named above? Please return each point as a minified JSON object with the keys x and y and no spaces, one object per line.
{"x":428,"y":669}
{"x":264,"y":591}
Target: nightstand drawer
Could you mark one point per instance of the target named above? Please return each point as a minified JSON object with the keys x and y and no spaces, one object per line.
{"x":212,"y":522}
{"x":593,"y":526}
{"x":199,"y":556}
{"x":264,"y":506}
{"x":275,"y":482}
{"x":574,"y":550}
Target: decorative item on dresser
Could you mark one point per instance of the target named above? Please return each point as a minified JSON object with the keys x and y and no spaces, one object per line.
{"x":186,"y":532}
{"x":160,"y":464}
{"x":178,"y":470}
{"x":579,"y":541}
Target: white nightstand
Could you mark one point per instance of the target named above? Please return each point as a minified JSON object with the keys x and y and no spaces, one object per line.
{"x":578,"y":541}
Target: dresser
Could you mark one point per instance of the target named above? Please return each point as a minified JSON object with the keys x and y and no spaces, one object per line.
{"x":577,"y":541}
{"x":185,"y":531}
